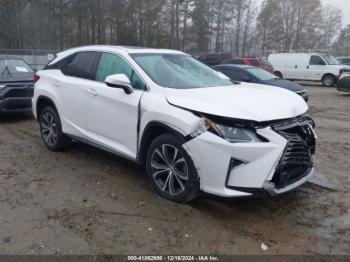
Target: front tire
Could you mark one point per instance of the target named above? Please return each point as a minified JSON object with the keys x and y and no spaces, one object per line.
{"x":51,"y":130}
{"x":278,"y":74}
{"x":171,"y":170}
{"x":328,"y":81}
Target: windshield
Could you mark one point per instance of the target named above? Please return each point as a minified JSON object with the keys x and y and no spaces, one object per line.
{"x":262,"y":74}
{"x":179,"y":71}
{"x":331,"y":60}
{"x":266,"y":62}
{"x":14,"y":67}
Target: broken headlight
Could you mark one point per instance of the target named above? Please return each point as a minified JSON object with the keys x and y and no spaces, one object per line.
{"x":233,"y":134}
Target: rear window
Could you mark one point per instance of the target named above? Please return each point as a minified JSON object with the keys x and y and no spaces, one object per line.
{"x":254,"y":62}
{"x":83,"y":65}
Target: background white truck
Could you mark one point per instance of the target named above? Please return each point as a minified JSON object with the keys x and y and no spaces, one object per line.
{"x":319,"y":67}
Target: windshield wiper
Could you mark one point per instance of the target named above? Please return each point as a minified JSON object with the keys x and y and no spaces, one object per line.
{"x":6,"y":70}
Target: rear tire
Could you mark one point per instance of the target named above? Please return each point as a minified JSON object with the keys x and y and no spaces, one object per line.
{"x":278,"y":74}
{"x":51,"y":130}
{"x":171,"y":170}
{"x":328,"y":81}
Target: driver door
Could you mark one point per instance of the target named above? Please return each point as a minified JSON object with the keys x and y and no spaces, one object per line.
{"x":316,"y":68}
{"x":111,"y":114}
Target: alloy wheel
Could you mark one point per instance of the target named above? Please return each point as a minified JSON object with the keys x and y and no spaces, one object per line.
{"x":49,"y":129}
{"x":169,"y":169}
{"x":329,"y":81}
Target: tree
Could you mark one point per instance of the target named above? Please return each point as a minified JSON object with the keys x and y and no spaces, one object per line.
{"x":332,"y":19}
{"x":342,"y":43}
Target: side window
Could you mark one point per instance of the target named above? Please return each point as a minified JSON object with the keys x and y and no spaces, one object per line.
{"x":316,"y":60}
{"x":60,"y":65}
{"x":82,"y":65}
{"x":111,"y":64}
{"x":234,"y":74}
{"x":346,"y":60}
{"x":254,"y":62}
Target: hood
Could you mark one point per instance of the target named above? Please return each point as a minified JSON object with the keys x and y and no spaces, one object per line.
{"x":244,"y":101}
{"x":292,"y":86}
{"x":342,"y":66}
{"x":16,"y":78}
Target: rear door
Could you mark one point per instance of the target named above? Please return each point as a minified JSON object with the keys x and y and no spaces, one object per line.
{"x":71,"y":84}
{"x":111,"y":114}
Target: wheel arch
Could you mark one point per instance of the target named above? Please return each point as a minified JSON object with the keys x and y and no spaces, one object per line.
{"x":42,"y":102}
{"x":328,"y":74}
{"x":278,"y":73}
{"x":331,"y":75}
{"x":153,"y":130}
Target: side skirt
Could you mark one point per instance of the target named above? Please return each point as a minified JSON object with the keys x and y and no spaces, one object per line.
{"x":104,"y":148}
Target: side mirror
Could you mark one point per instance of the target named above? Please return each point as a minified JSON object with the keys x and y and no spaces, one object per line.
{"x":120,"y":81}
{"x":247,"y":79}
{"x":321,"y":63}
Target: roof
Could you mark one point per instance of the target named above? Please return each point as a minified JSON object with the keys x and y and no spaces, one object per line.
{"x":299,"y":53}
{"x":125,"y":49}
{"x":234,"y":66}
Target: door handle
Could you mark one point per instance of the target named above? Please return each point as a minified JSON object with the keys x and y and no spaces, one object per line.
{"x":296,"y":67}
{"x":92,"y":91}
{"x":308,"y":67}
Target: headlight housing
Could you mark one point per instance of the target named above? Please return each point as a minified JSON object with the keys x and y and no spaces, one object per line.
{"x":234,"y":134}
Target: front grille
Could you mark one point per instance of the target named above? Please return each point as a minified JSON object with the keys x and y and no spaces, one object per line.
{"x":20,"y":93}
{"x":297,"y":159}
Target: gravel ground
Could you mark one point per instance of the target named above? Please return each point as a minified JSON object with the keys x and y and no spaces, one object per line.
{"x":85,"y":201}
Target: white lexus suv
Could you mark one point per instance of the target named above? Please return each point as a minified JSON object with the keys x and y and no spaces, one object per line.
{"x":192,"y":128}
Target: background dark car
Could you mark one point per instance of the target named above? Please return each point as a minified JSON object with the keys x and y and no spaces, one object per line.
{"x":215,"y":58}
{"x":344,"y":60}
{"x":344,"y":83}
{"x":16,"y":86}
{"x":261,"y":62}
{"x":243,"y":73}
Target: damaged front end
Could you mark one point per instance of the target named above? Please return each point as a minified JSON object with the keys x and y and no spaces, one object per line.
{"x":239,"y":158}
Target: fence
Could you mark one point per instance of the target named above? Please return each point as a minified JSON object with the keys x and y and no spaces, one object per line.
{"x":36,"y":58}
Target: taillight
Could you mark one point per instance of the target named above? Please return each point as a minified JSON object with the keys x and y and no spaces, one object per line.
{"x":35,"y":78}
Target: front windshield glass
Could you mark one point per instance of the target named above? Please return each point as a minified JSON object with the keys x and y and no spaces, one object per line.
{"x":264,"y":61}
{"x":14,"y":67}
{"x":179,"y":71}
{"x":331,"y":60}
{"x":262,"y":74}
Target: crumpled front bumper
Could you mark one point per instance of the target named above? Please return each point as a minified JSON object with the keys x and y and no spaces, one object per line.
{"x":256,"y":164}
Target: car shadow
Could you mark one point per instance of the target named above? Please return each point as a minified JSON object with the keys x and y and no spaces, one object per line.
{"x":103,"y":156}
{"x":222,"y":209}
{"x":9,"y":118}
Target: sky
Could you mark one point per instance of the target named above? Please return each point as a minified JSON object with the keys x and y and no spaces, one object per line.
{"x":344,"y":5}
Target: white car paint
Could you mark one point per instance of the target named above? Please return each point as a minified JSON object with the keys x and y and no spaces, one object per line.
{"x":296,"y":66}
{"x":231,"y":101}
{"x":108,"y":117}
